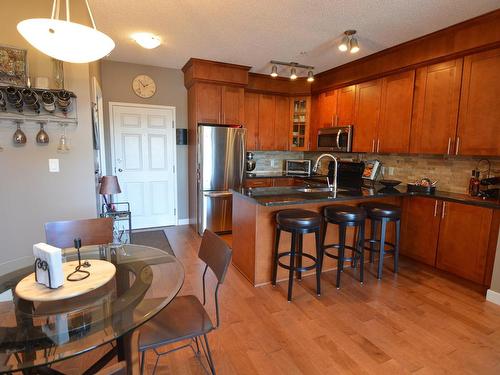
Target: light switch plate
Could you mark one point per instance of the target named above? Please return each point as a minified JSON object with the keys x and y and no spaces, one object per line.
{"x":54,"y":165}
{"x":391,"y":171}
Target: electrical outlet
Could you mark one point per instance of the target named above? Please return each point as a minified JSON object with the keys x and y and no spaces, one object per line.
{"x":54,"y":165}
{"x":391,"y":171}
{"x":383,"y":170}
{"x":274,"y":163}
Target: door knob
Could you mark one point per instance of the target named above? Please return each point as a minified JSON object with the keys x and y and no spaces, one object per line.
{"x":120,"y":170}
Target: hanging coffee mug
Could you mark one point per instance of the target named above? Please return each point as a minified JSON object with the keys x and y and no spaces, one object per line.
{"x":19,"y":137}
{"x":48,"y":101}
{"x":64,"y":100}
{"x":14,"y":98}
{"x":30,"y":99}
{"x":42,"y":137}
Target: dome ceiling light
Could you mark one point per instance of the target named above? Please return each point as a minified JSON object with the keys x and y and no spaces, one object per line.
{"x":65,"y":40}
{"x":147,"y":40}
{"x":293,"y":70}
{"x":349,"y":42}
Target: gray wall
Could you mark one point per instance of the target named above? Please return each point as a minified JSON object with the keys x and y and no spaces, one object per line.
{"x":29,"y":194}
{"x":117,"y":87}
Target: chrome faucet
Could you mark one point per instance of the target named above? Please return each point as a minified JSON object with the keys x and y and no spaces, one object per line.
{"x":333,"y":185}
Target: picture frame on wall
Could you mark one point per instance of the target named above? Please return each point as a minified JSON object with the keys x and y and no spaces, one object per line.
{"x":13,"y":66}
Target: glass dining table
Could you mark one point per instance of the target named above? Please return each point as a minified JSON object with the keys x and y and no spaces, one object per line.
{"x":34,"y":335}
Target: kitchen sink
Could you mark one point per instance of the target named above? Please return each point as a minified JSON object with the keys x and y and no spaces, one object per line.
{"x":317,"y":190}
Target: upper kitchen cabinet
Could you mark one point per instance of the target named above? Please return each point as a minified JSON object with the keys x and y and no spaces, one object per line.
{"x":267,"y":106}
{"x":323,"y":114}
{"x":281,"y":123}
{"x":479,"y":114}
{"x":366,"y":116}
{"x":252,"y":120}
{"x":395,"y":113}
{"x":435,"y":108}
{"x":208,"y":103}
{"x":300,"y":110}
{"x":233,"y":108}
{"x":345,"y":106}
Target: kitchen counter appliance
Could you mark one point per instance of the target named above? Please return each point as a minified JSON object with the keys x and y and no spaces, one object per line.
{"x":338,"y":139}
{"x":299,"y":167}
{"x":221,"y":166}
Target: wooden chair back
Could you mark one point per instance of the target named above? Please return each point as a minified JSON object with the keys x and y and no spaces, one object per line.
{"x":91,"y":231}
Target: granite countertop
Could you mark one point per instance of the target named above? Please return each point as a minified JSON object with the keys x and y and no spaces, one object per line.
{"x":280,"y":174}
{"x":280,"y":196}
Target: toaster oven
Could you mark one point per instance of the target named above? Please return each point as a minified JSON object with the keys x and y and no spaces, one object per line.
{"x":298,"y":167}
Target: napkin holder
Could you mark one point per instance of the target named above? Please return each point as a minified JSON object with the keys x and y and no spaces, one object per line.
{"x":44,"y":266}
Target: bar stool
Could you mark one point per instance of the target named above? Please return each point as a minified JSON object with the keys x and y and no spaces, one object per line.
{"x":345,"y":216}
{"x":297,"y":222}
{"x":383,"y":213}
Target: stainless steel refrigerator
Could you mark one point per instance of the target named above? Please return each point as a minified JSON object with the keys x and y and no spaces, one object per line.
{"x":221,"y":165}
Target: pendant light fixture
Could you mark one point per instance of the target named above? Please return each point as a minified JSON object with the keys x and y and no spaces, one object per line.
{"x":349,"y":42}
{"x":294,"y":67}
{"x":65,"y":40}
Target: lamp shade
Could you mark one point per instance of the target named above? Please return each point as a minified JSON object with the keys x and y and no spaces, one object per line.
{"x":110,"y":185}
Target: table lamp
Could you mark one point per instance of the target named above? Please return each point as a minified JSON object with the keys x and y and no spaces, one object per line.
{"x":109,"y":185}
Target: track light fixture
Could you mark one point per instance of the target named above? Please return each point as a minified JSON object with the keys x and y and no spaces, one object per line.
{"x":294,"y":67}
{"x":349,"y":42}
{"x":274,"y":71}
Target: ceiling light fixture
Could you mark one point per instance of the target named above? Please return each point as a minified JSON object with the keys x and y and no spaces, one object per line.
{"x":294,"y":67}
{"x":146,"y":40}
{"x":349,"y":42}
{"x":65,"y":40}
{"x":274,"y":71}
{"x":310,"y":76}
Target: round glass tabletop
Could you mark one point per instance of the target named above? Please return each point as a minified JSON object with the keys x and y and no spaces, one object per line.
{"x":39,"y":333}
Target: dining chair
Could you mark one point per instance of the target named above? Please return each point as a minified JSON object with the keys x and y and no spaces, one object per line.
{"x":97,"y":231}
{"x":185,"y":318}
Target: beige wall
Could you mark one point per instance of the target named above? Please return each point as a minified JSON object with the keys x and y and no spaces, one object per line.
{"x":29,"y":194}
{"x":117,"y":87}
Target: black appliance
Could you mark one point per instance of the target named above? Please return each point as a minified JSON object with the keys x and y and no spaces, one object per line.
{"x":349,"y":174}
{"x":488,"y":189}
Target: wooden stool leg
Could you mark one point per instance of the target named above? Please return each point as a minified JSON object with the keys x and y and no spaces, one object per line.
{"x":382,"y":248}
{"x":340,"y":254}
{"x":318,"y":262}
{"x":373,"y":237}
{"x":298,"y":252}
{"x":292,"y":266}
{"x":275,"y":260}
{"x":396,"y":246}
{"x":361,"y":244}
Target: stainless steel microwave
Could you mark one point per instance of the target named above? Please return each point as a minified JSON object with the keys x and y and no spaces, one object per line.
{"x":338,"y":139}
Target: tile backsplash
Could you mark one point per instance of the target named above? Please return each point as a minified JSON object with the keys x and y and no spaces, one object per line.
{"x":452,"y":173}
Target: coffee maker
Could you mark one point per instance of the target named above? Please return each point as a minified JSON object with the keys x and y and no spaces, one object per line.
{"x":250,"y":163}
{"x":490,"y":187}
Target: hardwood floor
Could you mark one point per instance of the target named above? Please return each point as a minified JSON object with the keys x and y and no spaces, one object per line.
{"x":417,"y":322}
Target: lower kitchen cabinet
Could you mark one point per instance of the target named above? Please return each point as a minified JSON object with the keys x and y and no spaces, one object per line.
{"x":420,"y":229}
{"x":464,"y":234}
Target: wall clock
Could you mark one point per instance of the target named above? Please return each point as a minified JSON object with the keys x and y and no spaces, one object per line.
{"x":144,"y":86}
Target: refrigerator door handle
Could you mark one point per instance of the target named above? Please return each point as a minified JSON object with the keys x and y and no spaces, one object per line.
{"x":242,"y":170}
{"x":217,"y":194}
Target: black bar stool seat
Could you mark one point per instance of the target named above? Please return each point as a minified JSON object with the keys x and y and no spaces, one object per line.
{"x":345,"y":216}
{"x":383,"y":213}
{"x":297,"y":222}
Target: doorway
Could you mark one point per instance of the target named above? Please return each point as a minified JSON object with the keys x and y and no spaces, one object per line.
{"x":143,"y":156}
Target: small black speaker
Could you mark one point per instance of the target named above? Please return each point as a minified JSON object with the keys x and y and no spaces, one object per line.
{"x":181,"y":137}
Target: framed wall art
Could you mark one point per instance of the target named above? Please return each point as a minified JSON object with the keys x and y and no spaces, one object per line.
{"x":13,"y":66}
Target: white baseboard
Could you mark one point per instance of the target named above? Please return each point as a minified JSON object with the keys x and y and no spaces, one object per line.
{"x":493,"y":296}
{"x":183,"y":222}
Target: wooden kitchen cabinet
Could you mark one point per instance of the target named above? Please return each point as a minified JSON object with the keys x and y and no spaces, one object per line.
{"x":300,"y":111}
{"x":366,"y":115}
{"x":218,"y":104}
{"x":435,"y":108}
{"x":420,"y":229}
{"x":395,"y":113}
{"x":345,"y":106}
{"x":464,"y":235}
{"x":252,"y":120}
{"x":257,"y":182}
{"x":478,"y":122}
{"x":323,"y":115}
{"x":281,"y":123}
{"x":267,"y":106}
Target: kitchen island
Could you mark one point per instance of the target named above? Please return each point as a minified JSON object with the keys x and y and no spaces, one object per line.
{"x":253,"y":226}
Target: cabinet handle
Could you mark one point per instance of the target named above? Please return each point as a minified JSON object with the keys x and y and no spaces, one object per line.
{"x":458,"y":145}
{"x":378,"y":144}
{"x":449,"y":146}
{"x":333,"y":122}
{"x":373,"y":145}
{"x":435,"y":208}
{"x":442,"y":213}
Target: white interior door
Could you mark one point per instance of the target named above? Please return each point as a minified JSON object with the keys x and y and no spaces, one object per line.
{"x":143,"y":139}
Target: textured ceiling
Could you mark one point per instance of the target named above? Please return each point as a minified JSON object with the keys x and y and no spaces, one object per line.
{"x":256,"y":31}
